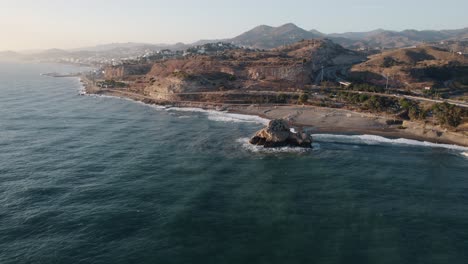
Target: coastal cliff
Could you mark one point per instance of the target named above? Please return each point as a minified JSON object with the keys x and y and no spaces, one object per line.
{"x":238,"y":69}
{"x":272,"y":83}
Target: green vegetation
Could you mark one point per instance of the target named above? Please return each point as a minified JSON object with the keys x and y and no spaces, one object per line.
{"x":414,"y":110}
{"x":378,"y":103}
{"x":453,"y":71}
{"x":232,"y":77}
{"x":372,"y":103}
{"x":281,"y":98}
{"x":303,"y":98}
{"x":365,"y":87}
{"x":405,"y":103}
{"x":182,"y":75}
{"x":447,"y":114}
{"x":389,"y":62}
{"x":112,"y":84}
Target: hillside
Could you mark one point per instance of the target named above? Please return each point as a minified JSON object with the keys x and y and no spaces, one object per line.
{"x":263,"y":37}
{"x":415,"y":68}
{"x":392,"y":39}
{"x":287,"y":67}
{"x":267,"y":37}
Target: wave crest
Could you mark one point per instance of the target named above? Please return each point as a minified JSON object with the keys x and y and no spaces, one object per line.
{"x":378,"y":140}
{"x":219,"y":116}
{"x":260,"y":149}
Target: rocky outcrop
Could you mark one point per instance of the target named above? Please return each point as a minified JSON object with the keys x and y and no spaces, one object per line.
{"x":278,"y":134}
{"x":124,"y":71}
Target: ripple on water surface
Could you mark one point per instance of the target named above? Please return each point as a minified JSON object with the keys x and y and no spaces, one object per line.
{"x":87,"y":179}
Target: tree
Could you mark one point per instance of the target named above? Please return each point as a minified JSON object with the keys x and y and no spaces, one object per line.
{"x":405,"y":104}
{"x":303,"y":98}
{"x":447,"y":114}
{"x":416,"y":113}
{"x":363,"y":98}
{"x":281,"y":98}
{"x":374,"y":103}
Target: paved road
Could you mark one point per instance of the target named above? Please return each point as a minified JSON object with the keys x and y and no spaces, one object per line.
{"x":416,"y":98}
{"x":330,"y":74}
{"x":330,"y":70}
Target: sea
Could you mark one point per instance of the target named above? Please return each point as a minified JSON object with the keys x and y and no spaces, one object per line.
{"x":96,"y":179}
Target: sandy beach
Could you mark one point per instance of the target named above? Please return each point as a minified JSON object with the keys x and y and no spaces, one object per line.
{"x":328,"y":120}
{"x":314,"y":119}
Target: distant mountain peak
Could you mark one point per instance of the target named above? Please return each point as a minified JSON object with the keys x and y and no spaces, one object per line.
{"x":290,"y":26}
{"x":267,"y":37}
{"x":262,"y":27}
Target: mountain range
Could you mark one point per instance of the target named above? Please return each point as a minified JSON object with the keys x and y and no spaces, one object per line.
{"x":268,"y":37}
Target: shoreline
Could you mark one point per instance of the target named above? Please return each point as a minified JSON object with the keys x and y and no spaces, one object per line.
{"x":314,"y":119}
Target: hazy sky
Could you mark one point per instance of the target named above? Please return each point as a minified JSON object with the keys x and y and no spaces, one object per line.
{"x":39,"y":24}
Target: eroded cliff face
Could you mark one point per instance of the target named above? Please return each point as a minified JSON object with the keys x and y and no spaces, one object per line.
{"x":275,"y":73}
{"x":123,"y":71}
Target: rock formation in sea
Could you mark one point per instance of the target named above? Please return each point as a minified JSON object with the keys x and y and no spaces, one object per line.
{"x":278,"y":134}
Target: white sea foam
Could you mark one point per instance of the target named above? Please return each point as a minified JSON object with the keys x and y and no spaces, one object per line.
{"x":260,"y":149}
{"x":187,"y":109}
{"x":211,"y":114}
{"x":465,"y":154}
{"x":230,"y":117}
{"x":378,"y":140}
{"x":316,"y":146}
{"x":223,"y":116}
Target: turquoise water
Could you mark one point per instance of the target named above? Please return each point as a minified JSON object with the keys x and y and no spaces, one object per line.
{"x":88,"y":179}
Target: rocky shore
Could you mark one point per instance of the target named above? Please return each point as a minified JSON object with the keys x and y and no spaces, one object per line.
{"x":317,"y":119}
{"x":278,"y":134}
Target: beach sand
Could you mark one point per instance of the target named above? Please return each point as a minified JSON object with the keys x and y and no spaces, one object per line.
{"x":316,"y":119}
{"x":329,"y":120}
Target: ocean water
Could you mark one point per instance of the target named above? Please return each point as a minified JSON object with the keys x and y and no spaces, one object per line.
{"x":87,"y":179}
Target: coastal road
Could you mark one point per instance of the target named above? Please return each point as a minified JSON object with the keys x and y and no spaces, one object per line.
{"x":415,"y":98}
{"x":331,"y":70}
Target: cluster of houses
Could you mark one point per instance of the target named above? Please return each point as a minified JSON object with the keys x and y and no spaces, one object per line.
{"x":124,"y":57}
{"x":459,"y":47}
{"x":205,"y":49}
{"x":210,"y":48}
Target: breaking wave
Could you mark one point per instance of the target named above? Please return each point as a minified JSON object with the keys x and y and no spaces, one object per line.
{"x":260,"y":149}
{"x":213,"y":115}
{"x":229,"y":117}
{"x":223,"y":116}
{"x":378,"y":140}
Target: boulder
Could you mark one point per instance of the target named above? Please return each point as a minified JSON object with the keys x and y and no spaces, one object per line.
{"x":278,"y":134}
